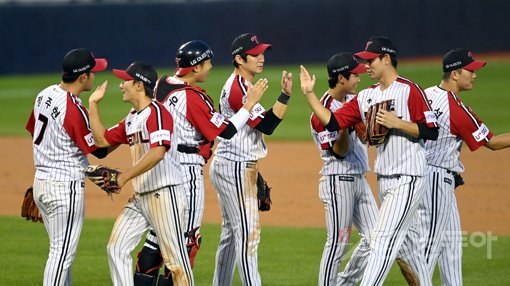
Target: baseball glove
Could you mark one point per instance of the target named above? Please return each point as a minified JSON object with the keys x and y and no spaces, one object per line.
{"x":104,"y":177}
{"x":29,"y":209}
{"x":263,"y":194}
{"x":377,"y":133}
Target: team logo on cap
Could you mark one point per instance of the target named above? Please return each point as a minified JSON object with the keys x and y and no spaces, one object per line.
{"x":368,"y":44}
{"x":470,"y":55}
{"x":255,"y":39}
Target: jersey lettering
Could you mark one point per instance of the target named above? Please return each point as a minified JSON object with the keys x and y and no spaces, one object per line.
{"x":173,"y":100}
{"x":430,"y":116}
{"x":135,"y":138}
{"x":89,"y":139}
{"x":256,"y":111}
{"x":44,"y":121}
{"x":481,"y":133}
{"x":160,"y":135}
{"x":326,"y":136}
{"x":217,"y":119}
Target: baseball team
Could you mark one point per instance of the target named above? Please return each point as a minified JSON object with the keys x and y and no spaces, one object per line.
{"x":171,"y":129}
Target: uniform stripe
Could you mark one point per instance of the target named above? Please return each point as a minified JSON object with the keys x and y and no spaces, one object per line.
{"x":192,"y":198}
{"x":387,"y":263}
{"x":83,"y":113}
{"x":336,"y":233}
{"x":68,"y":234}
{"x":244,"y":221}
{"x":432,"y":235}
{"x":176,"y":217}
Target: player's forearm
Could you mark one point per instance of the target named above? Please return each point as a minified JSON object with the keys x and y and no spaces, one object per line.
{"x":97,"y":127}
{"x":341,"y":146}
{"x":147,"y":162}
{"x":499,"y":142}
{"x":409,"y":128}
{"x":322,"y":113}
{"x":280,"y":106}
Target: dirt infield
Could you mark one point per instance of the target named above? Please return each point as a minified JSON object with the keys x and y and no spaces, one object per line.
{"x":292,"y":169}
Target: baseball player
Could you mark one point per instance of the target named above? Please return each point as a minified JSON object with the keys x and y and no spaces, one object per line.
{"x":61,"y":140}
{"x":343,"y":188}
{"x":234,"y":169}
{"x":439,"y":215}
{"x":197,"y":124}
{"x":159,"y":196}
{"x":400,"y":164}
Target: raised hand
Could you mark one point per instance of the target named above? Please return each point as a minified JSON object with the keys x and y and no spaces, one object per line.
{"x":255,"y":93}
{"x":307,"y":81}
{"x":98,"y":94}
{"x":286,"y":83}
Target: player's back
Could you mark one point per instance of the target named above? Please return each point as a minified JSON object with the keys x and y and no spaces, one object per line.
{"x":56,"y":156}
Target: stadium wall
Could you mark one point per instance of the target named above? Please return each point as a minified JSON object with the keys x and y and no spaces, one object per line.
{"x":36,"y":37}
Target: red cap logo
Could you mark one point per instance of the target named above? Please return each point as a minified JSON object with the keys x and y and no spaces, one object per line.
{"x":255,"y":39}
{"x":368,"y":44}
{"x":470,"y":55}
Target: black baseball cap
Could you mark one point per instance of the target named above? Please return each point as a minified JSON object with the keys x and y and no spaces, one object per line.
{"x":80,"y":61}
{"x":139,"y":71}
{"x":376,"y":46}
{"x":248,"y":44}
{"x":344,"y":62}
{"x":461,"y":58}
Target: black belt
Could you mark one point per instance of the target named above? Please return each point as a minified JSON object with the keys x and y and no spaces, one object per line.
{"x":187,"y":149}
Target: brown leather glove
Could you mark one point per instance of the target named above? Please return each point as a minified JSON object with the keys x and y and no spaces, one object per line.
{"x":29,"y":209}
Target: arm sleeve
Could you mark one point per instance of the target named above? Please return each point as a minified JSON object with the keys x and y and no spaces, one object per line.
{"x":425,"y":132}
{"x":31,"y":123}
{"x":201,"y":114}
{"x":325,"y":137}
{"x":419,"y":107}
{"x":348,"y":115}
{"x":76,"y":124}
{"x":269,"y":123}
{"x":116,"y":134}
{"x":465,"y":123}
{"x":236,"y":100}
{"x":159,"y":126}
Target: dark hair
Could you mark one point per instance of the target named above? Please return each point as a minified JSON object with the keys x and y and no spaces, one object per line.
{"x":333,"y":81}
{"x":67,"y":78}
{"x":394,"y":61}
{"x":148,"y":91}
{"x":244,"y":56}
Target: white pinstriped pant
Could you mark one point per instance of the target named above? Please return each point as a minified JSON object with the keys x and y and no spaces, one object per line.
{"x":163,"y":211}
{"x":62,"y":208}
{"x":439,"y":228}
{"x":236,"y":185}
{"x":347,"y":199}
{"x":194,"y":210}
{"x":400,"y":197}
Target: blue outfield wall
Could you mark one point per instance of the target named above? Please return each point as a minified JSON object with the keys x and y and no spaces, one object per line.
{"x":35,"y":38}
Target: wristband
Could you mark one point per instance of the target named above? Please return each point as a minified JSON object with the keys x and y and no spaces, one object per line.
{"x":283,"y":98}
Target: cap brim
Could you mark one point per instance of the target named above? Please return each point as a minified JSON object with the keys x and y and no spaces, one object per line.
{"x":366,"y":55}
{"x":122,"y":74}
{"x":101,"y":65}
{"x":259,"y":49}
{"x":359,"y":69}
{"x":183,"y":71}
{"x":475,"y":65}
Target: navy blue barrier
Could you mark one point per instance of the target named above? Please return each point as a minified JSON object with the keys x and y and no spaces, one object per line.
{"x":35,"y":38}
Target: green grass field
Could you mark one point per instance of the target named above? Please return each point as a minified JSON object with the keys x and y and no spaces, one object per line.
{"x":288,"y":256}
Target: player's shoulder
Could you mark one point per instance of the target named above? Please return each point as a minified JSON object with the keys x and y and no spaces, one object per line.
{"x":436,"y":92}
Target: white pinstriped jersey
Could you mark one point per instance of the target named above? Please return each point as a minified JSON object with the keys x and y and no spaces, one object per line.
{"x":457,"y":123}
{"x":400,"y":154}
{"x":149,"y":128}
{"x":248,"y":144}
{"x":356,"y":159}
{"x":193,"y":112}
{"x":61,"y":135}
